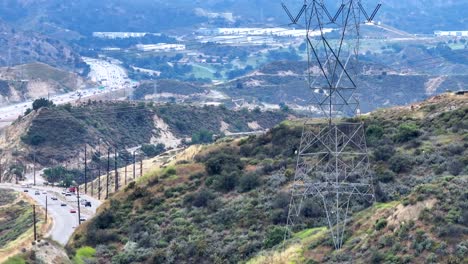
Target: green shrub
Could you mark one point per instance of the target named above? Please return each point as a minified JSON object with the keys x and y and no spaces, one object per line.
{"x":385,"y":176}
{"x":42,"y":102}
{"x":223,"y":161}
{"x":84,"y":255}
{"x":151,"y":150}
{"x":384,"y":152}
{"x":374,"y":133}
{"x":15,"y":260}
{"x":249,"y":182}
{"x":226,"y":182}
{"x":455,"y":167}
{"x":202,"y":136}
{"x":399,"y":163}
{"x":199,"y":199}
{"x":380,"y":224}
{"x":274,"y":236}
{"x":406,"y":132}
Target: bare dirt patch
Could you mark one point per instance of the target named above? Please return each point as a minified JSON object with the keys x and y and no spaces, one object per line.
{"x":411,"y":212}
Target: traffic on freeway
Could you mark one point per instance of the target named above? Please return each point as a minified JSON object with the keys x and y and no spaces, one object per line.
{"x":61,"y":208}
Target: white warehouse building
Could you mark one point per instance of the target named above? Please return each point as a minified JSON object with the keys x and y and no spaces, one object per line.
{"x":161,"y":47}
{"x":451,"y":33}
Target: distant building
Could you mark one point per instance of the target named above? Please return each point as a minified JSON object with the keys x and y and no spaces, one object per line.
{"x":161,"y":47}
{"x":278,"y":32}
{"x":451,"y":33}
{"x":116,"y":35}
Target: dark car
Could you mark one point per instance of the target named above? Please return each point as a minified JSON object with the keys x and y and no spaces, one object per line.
{"x":63,"y":204}
{"x":26,"y":190}
{"x":87,"y":204}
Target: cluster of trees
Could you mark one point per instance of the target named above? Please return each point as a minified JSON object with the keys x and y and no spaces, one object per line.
{"x":151,"y":150}
{"x":38,"y":104}
{"x":65,"y":177}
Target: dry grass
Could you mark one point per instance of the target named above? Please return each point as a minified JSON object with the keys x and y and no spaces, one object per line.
{"x":24,"y":241}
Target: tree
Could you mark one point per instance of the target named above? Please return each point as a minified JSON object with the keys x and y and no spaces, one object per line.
{"x":202,"y":136}
{"x":151,"y":150}
{"x":42,"y":102}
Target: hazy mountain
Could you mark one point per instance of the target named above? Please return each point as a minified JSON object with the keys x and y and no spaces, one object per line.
{"x":86,"y":16}
{"x":20,"y":47}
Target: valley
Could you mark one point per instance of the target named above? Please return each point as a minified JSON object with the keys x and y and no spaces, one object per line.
{"x":225,"y":131}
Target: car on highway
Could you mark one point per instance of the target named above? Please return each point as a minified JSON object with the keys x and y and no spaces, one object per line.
{"x":26,"y":190}
{"x":82,"y":219}
{"x":87,"y":204}
{"x":54,"y":198}
{"x":63,"y":204}
{"x":37,"y":193}
{"x":68,"y":194}
{"x":73,"y":211}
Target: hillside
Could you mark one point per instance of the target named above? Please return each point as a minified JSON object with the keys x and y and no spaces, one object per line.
{"x":20,"y":47}
{"x":229,"y":203}
{"x":36,"y":80}
{"x":57,"y":135}
{"x":379,"y":85}
{"x":73,"y":19}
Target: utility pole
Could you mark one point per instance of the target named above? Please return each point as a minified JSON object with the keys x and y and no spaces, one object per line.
{"x":78,"y":199}
{"x":92,"y":184}
{"x":46,"y":209}
{"x":34,"y":169}
{"x":99,"y":179}
{"x":116,"y":173}
{"x":108,"y":169}
{"x":85,"y":170}
{"x":141,"y":168}
{"x":1,"y":170}
{"x":16,"y":171}
{"x":126,"y":164}
{"x":134,"y":161}
{"x":34,"y":222}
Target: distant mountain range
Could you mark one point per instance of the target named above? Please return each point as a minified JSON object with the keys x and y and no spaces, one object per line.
{"x":72,"y":18}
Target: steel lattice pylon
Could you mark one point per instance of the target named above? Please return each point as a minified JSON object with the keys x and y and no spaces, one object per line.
{"x":332,"y":160}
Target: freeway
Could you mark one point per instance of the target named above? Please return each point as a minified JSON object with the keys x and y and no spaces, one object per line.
{"x":64,"y":222}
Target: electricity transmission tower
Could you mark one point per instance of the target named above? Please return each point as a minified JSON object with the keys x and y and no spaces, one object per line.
{"x":332,"y":160}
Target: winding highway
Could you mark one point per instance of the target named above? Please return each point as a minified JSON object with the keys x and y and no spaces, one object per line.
{"x":64,"y":221}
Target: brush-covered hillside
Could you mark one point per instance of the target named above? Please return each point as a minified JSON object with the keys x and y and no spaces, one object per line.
{"x":36,"y":80}
{"x":53,"y":135}
{"x":229,"y":203}
{"x":382,"y":84}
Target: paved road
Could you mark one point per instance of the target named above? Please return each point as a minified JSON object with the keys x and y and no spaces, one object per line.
{"x":10,"y":113}
{"x":64,"y":221}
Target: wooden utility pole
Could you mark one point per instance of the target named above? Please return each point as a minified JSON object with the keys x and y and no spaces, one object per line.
{"x":134,"y":161}
{"x":34,"y":169}
{"x":126,"y":164}
{"x":34,"y":222}
{"x":116,"y":173}
{"x":85,"y":170}
{"x":141,"y":168}
{"x":108,"y":176}
{"x":78,"y":199}
{"x":46,"y":209}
